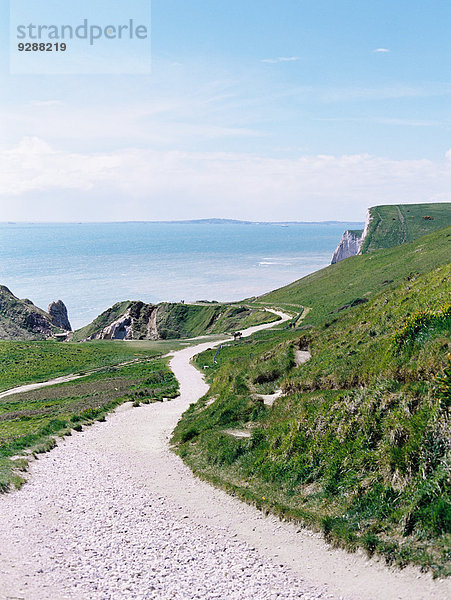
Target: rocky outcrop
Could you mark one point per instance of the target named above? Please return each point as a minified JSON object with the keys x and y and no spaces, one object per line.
{"x":121,"y":329}
{"x":132,"y":320}
{"x":22,"y":320}
{"x":144,"y":321}
{"x":58,"y":313}
{"x":349,"y":245}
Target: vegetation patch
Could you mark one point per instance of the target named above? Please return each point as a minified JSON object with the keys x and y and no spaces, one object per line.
{"x":29,"y":421}
{"x":422,"y":323}
{"x":358,"y":445}
{"x":187,"y":320}
{"x":31,"y":362}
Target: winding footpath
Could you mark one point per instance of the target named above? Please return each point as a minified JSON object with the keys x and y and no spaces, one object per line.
{"x":113,"y":514}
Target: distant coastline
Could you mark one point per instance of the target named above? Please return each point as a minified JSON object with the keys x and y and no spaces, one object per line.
{"x":188,"y":222}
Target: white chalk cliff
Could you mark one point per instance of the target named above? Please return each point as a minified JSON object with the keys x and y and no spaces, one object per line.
{"x":352,"y":241}
{"x":349,"y":246}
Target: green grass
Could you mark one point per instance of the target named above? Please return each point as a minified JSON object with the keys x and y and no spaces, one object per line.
{"x":356,"y":232}
{"x":363,"y":276}
{"x":30,"y":362}
{"x":185,"y":320}
{"x":358,"y":346}
{"x":233,"y":353}
{"x":392,"y":225}
{"x":358,"y":445}
{"x":31,"y":420}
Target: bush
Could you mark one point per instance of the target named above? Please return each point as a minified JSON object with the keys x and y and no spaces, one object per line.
{"x":189,"y":434}
{"x":419,"y":323}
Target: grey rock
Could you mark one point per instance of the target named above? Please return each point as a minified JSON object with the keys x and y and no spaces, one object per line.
{"x":58,"y":312}
{"x":120,"y":329}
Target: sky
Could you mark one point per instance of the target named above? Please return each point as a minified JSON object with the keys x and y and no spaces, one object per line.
{"x":290,"y":110}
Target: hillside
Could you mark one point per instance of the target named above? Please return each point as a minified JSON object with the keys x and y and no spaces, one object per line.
{"x":360,"y":277}
{"x":187,"y":320}
{"x":135,"y":320}
{"x":389,"y":226}
{"x":393,"y":225}
{"x":356,"y":441}
{"x":22,"y":320}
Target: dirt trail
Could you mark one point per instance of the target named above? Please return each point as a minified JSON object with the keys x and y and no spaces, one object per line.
{"x":35,"y":386}
{"x":403,"y":225}
{"x":112,"y":513}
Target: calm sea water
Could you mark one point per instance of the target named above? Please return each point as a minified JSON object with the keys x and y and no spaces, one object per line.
{"x":91,"y":266}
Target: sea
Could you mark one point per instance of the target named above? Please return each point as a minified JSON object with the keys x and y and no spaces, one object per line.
{"x":90,"y":266}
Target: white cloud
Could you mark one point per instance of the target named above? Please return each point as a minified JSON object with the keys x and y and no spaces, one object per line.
{"x":39,"y":182}
{"x":280,"y":59}
{"x":382,"y":50}
{"x":165,"y":120}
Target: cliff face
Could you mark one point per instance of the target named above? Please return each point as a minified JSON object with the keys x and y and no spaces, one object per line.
{"x":58,"y":312}
{"x":22,"y":320}
{"x":131,"y":320}
{"x":349,"y":245}
{"x":137,"y":323}
{"x":366,"y":229}
{"x":121,"y":329}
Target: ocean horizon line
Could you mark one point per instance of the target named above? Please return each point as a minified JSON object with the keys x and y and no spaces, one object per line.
{"x":207,"y":221}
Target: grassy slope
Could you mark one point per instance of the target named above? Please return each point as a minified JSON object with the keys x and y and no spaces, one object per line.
{"x":358,"y":446}
{"x":361,"y":276}
{"x":394,"y":225}
{"x":185,"y":320}
{"x":30,"y":420}
{"x":29,"y":362}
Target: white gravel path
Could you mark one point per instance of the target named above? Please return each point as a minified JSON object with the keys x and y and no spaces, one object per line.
{"x":112,"y":514}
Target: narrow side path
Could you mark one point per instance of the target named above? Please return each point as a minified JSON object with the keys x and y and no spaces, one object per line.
{"x":29,"y":387}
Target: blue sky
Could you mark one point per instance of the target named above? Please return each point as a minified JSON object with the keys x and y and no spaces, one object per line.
{"x":307,"y":110}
